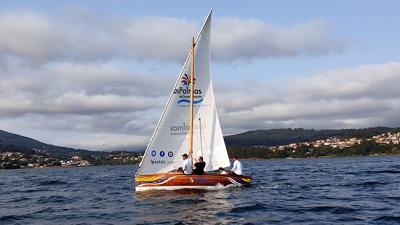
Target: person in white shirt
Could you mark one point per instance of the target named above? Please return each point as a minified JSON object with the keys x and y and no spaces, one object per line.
{"x":187,"y":167}
{"x":237,"y":166}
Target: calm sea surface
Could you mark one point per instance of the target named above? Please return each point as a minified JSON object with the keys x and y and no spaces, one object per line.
{"x":362,"y":190}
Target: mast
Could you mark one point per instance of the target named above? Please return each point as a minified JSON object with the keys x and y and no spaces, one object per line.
{"x":191,"y":101}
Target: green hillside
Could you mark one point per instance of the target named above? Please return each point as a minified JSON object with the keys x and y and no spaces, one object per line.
{"x":276,"y":137}
{"x":16,"y":143}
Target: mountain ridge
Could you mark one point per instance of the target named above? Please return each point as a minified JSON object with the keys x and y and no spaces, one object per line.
{"x":271,"y":137}
{"x":283,"y":136}
{"x":15,"y":142}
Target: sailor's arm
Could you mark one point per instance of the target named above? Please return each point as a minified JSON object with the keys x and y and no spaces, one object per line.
{"x":234,"y":166}
{"x":191,"y":159}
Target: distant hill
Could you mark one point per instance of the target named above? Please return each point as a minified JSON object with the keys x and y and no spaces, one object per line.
{"x":14,"y":142}
{"x":273,"y":137}
{"x":276,"y":137}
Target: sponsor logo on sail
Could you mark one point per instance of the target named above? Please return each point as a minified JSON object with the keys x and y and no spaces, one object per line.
{"x":186,"y":80}
{"x":160,"y":162}
{"x":184,"y":92}
{"x":183,"y":128}
{"x":156,"y":158}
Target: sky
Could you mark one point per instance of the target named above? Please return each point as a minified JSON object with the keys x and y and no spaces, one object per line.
{"x":97,"y":74}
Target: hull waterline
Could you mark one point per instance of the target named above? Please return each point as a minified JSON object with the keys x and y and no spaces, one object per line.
{"x":176,"y":181}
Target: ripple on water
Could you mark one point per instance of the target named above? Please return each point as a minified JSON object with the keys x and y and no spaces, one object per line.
{"x":331,"y":209}
{"x":187,"y":201}
{"x":371,"y":183}
{"x":53,"y":199}
{"x":388,"y":218}
{"x":249,"y":207}
{"x":52,"y":182}
{"x":317,"y":191}
{"x":19,"y":199}
{"x":10,"y":218}
{"x":24,"y":216}
{"x":382,"y":171}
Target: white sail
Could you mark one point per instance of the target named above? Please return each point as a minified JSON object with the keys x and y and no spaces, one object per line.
{"x":171,"y":136}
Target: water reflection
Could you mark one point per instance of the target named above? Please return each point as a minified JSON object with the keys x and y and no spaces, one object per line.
{"x":194,"y":206}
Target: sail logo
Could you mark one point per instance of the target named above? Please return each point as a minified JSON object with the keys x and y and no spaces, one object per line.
{"x":184,"y":92}
{"x":186,"y":80}
{"x":162,"y":153}
{"x":183,"y":128}
{"x":188,"y":101}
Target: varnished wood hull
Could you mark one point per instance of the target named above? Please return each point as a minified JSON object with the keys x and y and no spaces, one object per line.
{"x":174,"y":181}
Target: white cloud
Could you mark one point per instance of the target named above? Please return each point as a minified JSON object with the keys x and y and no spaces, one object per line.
{"x":235,"y":38}
{"x":81,"y":102}
{"x":77,"y":89}
{"x":355,"y":97}
{"x":374,"y":81}
{"x":35,"y":38}
{"x":88,"y":101}
{"x":108,"y":142}
{"x":69,"y":76}
{"x":38,"y":39}
{"x":159,"y":38}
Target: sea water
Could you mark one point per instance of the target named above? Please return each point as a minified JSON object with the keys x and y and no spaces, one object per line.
{"x":356,"y":190}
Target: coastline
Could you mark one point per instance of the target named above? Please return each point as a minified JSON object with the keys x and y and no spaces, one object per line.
{"x":251,"y":158}
{"x":327,"y":156}
{"x":70,"y":167}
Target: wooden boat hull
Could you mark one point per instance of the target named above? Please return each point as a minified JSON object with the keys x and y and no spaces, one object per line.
{"x":175,"y":181}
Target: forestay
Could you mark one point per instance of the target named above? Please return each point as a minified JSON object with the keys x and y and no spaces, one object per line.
{"x":171,"y":136}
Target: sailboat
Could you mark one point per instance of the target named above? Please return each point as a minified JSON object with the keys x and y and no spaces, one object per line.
{"x":188,"y":124}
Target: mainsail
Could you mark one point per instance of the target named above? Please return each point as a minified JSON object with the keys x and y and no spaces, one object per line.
{"x":171,"y":137}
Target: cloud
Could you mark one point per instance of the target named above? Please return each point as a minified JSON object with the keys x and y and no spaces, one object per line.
{"x":236,"y":38}
{"x":75,"y":104}
{"x":347,"y":98}
{"x":85,"y":102}
{"x":37,"y":39}
{"x":373,"y":81}
{"x":159,"y":38}
{"x":110,"y":78}
{"x":76,"y":89}
{"x":167,"y":39}
{"x":109,"y":142}
{"x":72,"y":81}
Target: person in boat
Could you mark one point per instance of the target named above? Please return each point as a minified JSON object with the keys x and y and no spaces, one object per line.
{"x":222,"y":170}
{"x":237,"y":166}
{"x":187,"y":164}
{"x":199,"y":166}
